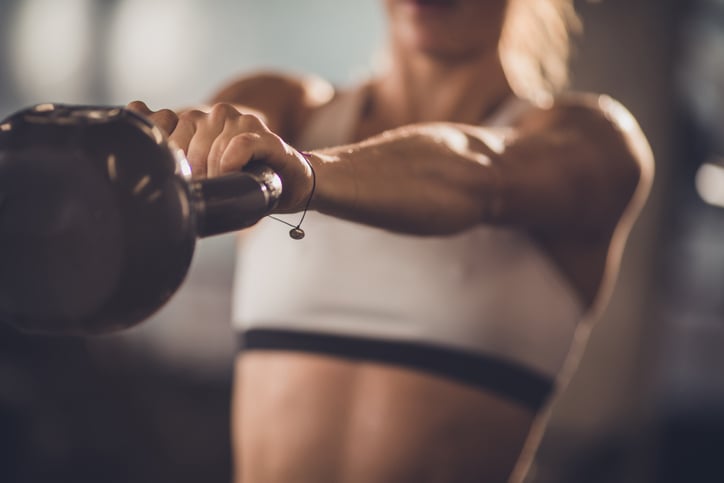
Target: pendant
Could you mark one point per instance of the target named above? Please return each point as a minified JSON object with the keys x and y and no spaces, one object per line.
{"x":296,"y":233}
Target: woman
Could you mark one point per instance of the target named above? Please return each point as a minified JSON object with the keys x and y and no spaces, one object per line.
{"x":466,"y":219}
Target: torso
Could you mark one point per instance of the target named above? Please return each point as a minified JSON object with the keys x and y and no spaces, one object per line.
{"x":310,"y":418}
{"x":300,"y":416}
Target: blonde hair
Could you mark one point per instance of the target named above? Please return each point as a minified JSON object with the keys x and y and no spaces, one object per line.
{"x":535,"y":46}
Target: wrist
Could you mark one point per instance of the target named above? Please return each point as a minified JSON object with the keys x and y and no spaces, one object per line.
{"x":301,"y":203}
{"x":310,"y":184}
{"x":332,"y":180}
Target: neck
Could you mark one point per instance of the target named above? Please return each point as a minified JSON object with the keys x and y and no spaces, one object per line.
{"x":423,"y":88}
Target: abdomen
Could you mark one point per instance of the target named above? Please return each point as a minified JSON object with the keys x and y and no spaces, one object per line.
{"x":302,"y":417}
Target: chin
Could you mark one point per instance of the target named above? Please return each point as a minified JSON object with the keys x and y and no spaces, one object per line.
{"x":443,"y":49}
{"x":441,"y":42}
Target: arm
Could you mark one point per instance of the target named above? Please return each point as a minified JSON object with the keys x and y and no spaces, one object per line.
{"x":574,"y":168}
{"x":283,"y":102}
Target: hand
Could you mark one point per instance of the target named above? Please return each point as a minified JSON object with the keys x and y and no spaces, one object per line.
{"x":223,"y":140}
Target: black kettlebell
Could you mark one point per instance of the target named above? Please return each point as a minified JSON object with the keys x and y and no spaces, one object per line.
{"x":99,"y":217}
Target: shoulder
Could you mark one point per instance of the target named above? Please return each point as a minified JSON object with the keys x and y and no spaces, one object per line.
{"x":598,"y":147}
{"x":600,"y":128}
{"x":285,"y":99}
{"x":263,"y":87}
{"x":603,"y":124}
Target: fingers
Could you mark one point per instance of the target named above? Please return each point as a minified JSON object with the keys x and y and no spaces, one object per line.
{"x":140,"y":107}
{"x":219,"y":141}
{"x":291,"y":166}
{"x":238,"y":151}
{"x":239,"y":142}
{"x":165,"y":119}
{"x":214,"y":129}
{"x":194,"y":136}
{"x":181,"y":138}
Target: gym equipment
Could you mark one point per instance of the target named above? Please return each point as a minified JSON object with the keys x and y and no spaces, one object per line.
{"x":99,"y":217}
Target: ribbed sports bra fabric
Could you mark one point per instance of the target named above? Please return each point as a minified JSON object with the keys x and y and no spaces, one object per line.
{"x":488,"y":294}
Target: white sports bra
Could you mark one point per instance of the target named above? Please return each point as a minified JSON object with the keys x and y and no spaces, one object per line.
{"x":485,"y":306}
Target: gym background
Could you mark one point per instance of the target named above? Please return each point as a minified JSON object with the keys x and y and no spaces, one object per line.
{"x":152,"y":404}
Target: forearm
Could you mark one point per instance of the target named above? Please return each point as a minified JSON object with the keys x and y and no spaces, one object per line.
{"x":428,"y":179}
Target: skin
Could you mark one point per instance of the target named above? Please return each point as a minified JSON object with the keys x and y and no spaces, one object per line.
{"x":573,"y":174}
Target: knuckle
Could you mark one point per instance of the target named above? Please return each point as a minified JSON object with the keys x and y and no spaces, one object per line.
{"x":251,"y":121}
{"x":138,"y":106}
{"x":167,"y":114}
{"x":222,"y":110}
{"x":167,"y":119}
{"x":192,"y":117}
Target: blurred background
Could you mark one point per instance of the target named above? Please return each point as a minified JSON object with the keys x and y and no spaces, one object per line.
{"x":152,"y":404}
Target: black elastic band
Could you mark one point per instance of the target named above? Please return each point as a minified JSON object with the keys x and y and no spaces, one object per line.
{"x":507,"y":379}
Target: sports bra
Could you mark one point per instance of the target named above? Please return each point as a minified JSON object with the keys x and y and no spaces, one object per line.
{"x":485,"y":307}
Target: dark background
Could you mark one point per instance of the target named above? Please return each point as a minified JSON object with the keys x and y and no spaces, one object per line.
{"x":152,"y":404}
